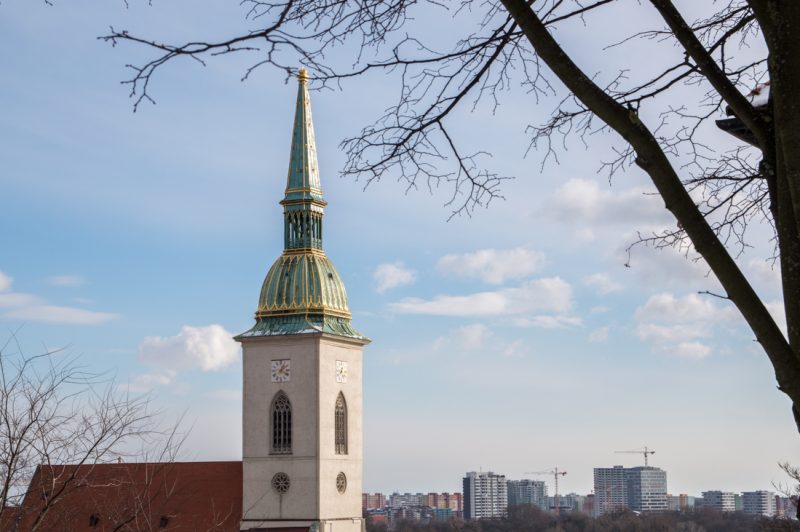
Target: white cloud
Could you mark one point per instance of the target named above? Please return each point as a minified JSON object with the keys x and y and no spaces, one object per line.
{"x":599,"y":335}
{"x":208,"y":348}
{"x":676,"y":324}
{"x":18,"y":299}
{"x":5,"y":281}
{"x":765,"y":274}
{"x":667,"y":267}
{"x":778,"y":312}
{"x":672,"y":333}
{"x":60,"y":315}
{"x":226,"y":394}
{"x":391,"y":275}
{"x":23,"y":306}
{"x":691,"y":350}
{"x":516,"y":349}
{"x":551,"y":294}
{"x":603,"y":283}
{"x":688,"y":309}
{"x":473,"y":336}
{"x":493,"y":266}
{"x":583,"y":201}
{"x":66,"y":280}
{"x":147,"y":381}
{"x":548,"y":322}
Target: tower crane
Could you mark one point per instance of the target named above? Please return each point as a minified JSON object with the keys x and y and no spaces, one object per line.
{"x":556,"y":473}
{"x":645,"y":451}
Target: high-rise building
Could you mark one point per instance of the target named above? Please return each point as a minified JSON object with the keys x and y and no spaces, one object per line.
{"x":641,"y":489}
{"x":407,"y":500}
{"x":302,"y":360}
{"x":455,"y":501}
{"x":678,"y":503}
{"x":570,"y":502}
{"x":610,"y":494}
{"x":373,"y":501}
{"x":724,"y":501}
{"x":785,"y":507}
{"x":451,"y":501}
{"x":647,"y":489}
{"x":527,"y":492}
{"x":485,"y":495}
{"x":758,"y":503}
{"x":684,"y":502}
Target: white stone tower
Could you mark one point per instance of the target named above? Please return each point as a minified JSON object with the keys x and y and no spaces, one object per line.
{"x":302,"y":404}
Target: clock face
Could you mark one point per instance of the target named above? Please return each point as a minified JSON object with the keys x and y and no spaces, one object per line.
{"x":281,"y":370}
{"x":341,"y":371}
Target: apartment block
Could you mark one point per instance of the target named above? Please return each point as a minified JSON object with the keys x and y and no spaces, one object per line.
{"x":485,"y":495}
{"x":641,"y":489}
{"x":373,"y":501}
{"x":527,"y":492}
{"x":724,"y":501}
{"x":759,"y":503}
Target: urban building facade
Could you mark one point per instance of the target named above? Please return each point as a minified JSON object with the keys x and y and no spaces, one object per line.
{"x":641,"y":489}
{"x":678,"y":503}
{"x":785,"y":507}
{"x":758,"y":503}
{"x":407,"y":500}
{"x":373,"y":501}
{"x":485,"y":495}
{"x":528,"y":492}
{"x":571,"y":502}
{"x":610,"y":494}
{"x":450,"y":501}
{"x":647,"y":489}
{"x":724,"y":501}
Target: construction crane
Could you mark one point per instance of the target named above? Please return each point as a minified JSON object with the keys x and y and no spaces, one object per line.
{"x":555,"y":472}
{"x":645,"y":451}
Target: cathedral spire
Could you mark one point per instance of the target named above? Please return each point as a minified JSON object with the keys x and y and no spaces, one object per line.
{"x":302,"y":292}
{"x":302,"y":183}
{"x":303,"y":204}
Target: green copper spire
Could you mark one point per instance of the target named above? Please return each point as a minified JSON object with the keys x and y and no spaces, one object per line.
{"x":302,"y":292}
{"x":303,"y":204}
{"x":302,"y":183}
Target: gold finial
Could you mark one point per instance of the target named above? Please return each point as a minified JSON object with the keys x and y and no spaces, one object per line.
{"x":302,"y":75}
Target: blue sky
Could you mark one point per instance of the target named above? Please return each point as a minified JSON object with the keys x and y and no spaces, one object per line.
{"x":513,"y":340}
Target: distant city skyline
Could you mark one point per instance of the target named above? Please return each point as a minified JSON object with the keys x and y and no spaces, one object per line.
{"x":500,"y":342}
{"x":641,"y":489}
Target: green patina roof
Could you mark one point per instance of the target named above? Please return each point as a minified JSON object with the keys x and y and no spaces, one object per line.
{"x":302,"y":182}
{"x":302,"y":292}
{"x":303,"y":282}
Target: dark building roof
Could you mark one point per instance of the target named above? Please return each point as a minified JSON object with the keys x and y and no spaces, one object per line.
{"x":175,"y":497}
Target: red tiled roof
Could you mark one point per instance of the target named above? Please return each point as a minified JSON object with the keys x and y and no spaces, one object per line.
{"x":174,"y":497}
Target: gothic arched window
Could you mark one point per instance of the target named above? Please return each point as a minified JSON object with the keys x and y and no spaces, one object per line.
{"x":340,"y":429}
{"x":281,"y":412}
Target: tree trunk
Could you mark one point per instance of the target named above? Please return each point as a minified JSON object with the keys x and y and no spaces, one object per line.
{"x":651,"y":158}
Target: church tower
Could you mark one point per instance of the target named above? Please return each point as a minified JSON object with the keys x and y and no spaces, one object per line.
{"x":302,"y":362}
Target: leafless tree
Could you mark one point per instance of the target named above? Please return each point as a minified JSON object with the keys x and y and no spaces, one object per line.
{"x":492,"y":45}
{"x":58,"y":422}
{"x":792,"y":489}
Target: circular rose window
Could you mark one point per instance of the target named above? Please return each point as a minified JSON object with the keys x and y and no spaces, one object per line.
{"x":341,"y":482}
{"x":280,"y":482}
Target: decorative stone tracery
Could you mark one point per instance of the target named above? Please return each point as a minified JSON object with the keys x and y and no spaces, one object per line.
{"x":340,"y":425}
{"x":281,"y":483}
{"x":281,"y":425}
{"x":341,"y":483}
